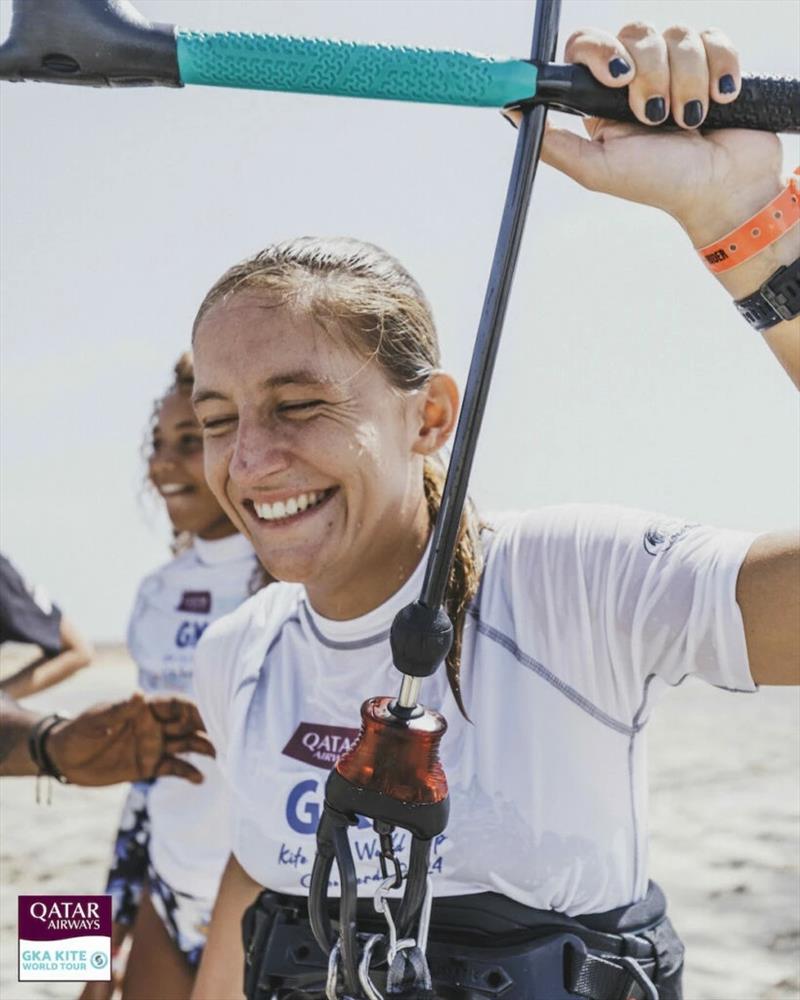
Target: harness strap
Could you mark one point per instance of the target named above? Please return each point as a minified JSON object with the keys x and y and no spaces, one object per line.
{"x":599,"y":978}
{"x":409,"y":971}
{"x":559,"y":958}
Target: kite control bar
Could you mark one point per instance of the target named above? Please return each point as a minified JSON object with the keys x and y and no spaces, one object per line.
{"x":107,"y":43}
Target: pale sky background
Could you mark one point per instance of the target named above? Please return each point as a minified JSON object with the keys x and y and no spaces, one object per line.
{"x":625,"y":374}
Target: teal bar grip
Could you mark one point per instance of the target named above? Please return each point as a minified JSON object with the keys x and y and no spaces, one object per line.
{"x":352,"y":69}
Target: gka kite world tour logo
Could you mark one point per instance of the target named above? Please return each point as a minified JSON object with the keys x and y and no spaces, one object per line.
{"x":64,"y":938}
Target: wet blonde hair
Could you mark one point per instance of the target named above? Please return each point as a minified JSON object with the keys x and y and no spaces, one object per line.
{"x":368,"y":297}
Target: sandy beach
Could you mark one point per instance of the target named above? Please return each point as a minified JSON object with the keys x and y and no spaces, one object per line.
{"x":725,"y":833}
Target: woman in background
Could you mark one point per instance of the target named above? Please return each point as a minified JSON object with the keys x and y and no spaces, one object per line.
{"x":173,"y":842}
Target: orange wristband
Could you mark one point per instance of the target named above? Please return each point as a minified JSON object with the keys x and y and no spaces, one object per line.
{"x":749,"y":239}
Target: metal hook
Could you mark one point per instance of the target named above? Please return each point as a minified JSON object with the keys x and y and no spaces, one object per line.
{"x":640,"y":977}
{"x":381,"y":906}
{"x":333,"y":968}
{"x":363,"y":969}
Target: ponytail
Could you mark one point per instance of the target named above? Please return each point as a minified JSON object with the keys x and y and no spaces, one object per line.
{"x":465,"y":573}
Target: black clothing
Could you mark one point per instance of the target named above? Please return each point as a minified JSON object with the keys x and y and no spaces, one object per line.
{"x":26,"y":614}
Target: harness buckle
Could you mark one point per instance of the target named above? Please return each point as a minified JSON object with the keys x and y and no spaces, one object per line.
{"x":635,"y":946}
{"x":645,"y":990}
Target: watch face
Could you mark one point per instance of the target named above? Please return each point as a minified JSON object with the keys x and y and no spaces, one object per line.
{"x":782,"y":291}
{"x":758,"y":314}
{"x":777,"y":300}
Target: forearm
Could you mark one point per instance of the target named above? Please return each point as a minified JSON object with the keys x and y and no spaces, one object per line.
{"x":15,"y":727}
{"x":44,"y":672}
{"x":784,"y":338}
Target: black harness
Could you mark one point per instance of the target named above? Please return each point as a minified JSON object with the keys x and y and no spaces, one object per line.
{"x":481,"y":947}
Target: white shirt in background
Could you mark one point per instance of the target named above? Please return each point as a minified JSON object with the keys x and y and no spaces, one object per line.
{"x":190,"y":837}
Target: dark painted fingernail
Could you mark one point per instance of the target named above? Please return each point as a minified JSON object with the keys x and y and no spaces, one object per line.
{"x":727,"y":84}
{"x":618,"y":67}
{"x":692,"y":113}
{"x":655,"y":109}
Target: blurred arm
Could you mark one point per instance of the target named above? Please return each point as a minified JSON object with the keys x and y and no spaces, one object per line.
{"x":16,"y":723}
{"x":221,"y":973}
{"x":47,"y":670}
{"x":131,"y":740}
{"x":768,"y":594}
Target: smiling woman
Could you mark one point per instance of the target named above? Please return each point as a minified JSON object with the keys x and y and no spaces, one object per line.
{"x":322,"y":421}
{"x":318,"y":377}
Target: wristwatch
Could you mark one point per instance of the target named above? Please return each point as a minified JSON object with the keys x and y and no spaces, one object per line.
{"x":778,"y":299}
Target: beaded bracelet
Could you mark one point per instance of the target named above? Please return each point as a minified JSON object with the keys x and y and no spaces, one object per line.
{"x":758,"y":232}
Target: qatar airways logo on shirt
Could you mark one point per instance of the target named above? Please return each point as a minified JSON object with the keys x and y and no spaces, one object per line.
{"x":197,"y":601}
{"x":320,"y":745}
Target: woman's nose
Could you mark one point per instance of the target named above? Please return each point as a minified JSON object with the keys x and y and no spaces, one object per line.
{"x":260,"y":452}
{"x":161,"y":461}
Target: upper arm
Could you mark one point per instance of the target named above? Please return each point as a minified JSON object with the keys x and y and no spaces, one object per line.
{"x":611,"y":599}
{"x":768,"y":595}
{"x":221,"y":970}
{"x":72,"y":640}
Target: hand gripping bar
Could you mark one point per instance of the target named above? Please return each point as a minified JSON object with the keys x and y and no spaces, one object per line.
{"x":107,"y":43}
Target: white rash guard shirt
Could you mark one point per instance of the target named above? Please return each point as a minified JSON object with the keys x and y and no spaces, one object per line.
{"x":584,"y":615}
{"x":190,"y":834}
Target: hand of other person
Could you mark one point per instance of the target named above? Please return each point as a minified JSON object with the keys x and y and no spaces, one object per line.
{"x":131,"y":740}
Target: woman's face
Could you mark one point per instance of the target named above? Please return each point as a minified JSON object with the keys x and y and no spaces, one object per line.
{"x":311,"y":453}
{"x":176,"y":470}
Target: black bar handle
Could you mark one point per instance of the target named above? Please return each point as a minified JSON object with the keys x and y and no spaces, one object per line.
{"x":765,"y":103}
{"x":94,"y":43}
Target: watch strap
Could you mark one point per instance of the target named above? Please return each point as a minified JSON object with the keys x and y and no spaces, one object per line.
{"x":777,"y":300}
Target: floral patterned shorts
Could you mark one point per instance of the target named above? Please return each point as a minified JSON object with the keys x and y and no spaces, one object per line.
{"x":185,"y":917}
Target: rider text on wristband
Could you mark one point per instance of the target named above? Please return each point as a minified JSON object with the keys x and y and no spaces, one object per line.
{"x":757,"y":233}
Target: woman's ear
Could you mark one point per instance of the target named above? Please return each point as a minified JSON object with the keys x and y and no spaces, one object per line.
{"x":437,"y":413}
